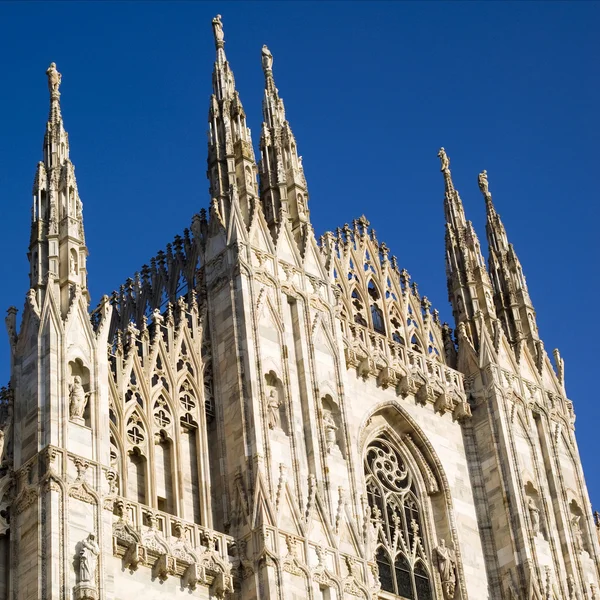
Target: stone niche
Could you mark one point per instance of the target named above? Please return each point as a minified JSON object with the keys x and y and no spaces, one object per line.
{"x":275,"y":404}
{"x":80,"y":424}
{"x":331,"y":424}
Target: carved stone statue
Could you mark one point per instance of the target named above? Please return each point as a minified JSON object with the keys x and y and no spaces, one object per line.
{"x":88,"y":558}
{"x":330,"y":430}
{"x":444,"y":159}
{"x":72,"y":265}
{"x":54,"y":78}
{"x":267,"y":59}
{"x":577,"y":533}
{"x":301,"y":205}
{"x":2,"y":441}
{"x":218,"y":30}
{"x":273,"y":404}
{"x":483,"y":182}
{"x":534,"y":514}
{"x":445,"y":561}
{"x":77,"y":399}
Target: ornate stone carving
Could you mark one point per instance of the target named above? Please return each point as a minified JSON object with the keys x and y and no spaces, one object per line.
{"x":54,"y":78}
{"x":267,"y":59}
{"x":88,"y":559}
{"x":410,"y":384}
{"x":194,"y":575}
{"x":426,"y":393}
{"x":445,"y":161}
{"x":483,"y":182}
{"x":165,"y":566}
{"x":445,"y":561}
{"x":443,"y":403}
{"x":77,"y":399}
{"x":273,"y":404}
{"x":534,"y":515}
{"x":134,"y":556}
{"x":462,"y":411}
{"x":577,"y":533}
{"x":330,"y":429}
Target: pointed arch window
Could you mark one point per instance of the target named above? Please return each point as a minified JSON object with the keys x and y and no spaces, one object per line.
{"x":358,"y":307}
{"x":396,"y":516}
{"x":376,"y":310}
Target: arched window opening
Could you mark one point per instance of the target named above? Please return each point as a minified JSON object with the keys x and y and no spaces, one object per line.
{"x":163,"y":470}
{"x":377,"y":317}
{"x":186,"y":397}
{"x":396,"y":516}
{"x":359,"y":308}
{"x":190,"y":469}
{"x":396,"y":324}
{"x":136,"y":476}
{"x":376,"y":310}
{"x":162,"y":414}
{"x":416,"y":344}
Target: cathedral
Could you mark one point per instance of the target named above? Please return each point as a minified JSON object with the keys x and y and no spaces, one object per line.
{"x":260,"y":414}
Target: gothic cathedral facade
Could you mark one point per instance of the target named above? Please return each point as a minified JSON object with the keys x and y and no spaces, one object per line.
{"x":258,"y":414}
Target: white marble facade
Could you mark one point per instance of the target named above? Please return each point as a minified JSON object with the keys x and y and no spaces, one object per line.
{"x":260,"y":414}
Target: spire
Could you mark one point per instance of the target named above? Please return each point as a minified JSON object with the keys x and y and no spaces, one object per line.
{"x":469,"y":288}
{"x":282,"y":183}
{"x":57,"y":251}
{"x":511,"y":295}
{"x":230,"y":144}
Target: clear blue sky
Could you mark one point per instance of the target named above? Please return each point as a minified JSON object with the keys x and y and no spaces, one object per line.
{"x":372,"y":90}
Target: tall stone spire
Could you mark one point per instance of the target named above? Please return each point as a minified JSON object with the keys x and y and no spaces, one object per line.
{"x":469,"y":287}
{"x":282,"y":183}
{"x":231,"y":162}
{"x":511,"y":296}
{"x":57,"y":250}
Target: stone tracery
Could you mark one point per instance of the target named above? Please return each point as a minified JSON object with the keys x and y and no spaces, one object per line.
{"x":402,"y":559}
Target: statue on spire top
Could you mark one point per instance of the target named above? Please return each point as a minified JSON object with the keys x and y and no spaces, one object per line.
{"x":218,"y":31}
{"x":483,"y":182}
{"x":54,"y":78}
{"x":267,"y":59}
{"x":445,"y":160}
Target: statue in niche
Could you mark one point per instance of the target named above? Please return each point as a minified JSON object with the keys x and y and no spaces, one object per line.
{"x":77,"y":399}
{"x":330,"y":430}
{"x":54,"y":78}
{"x":534,"y":514}
{"x":72,"y":265}
{"x":577,"y":533}
{"x":301,"y":206}
{"x":445,"y":561}
{"x":273,"y":404}
{"x":88,"y":558}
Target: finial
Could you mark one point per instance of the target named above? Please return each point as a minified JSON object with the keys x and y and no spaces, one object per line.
{"x":54,"y":79}
{"x":218,"y":32}
{"x":483,"y":182}
{"x":445,"y":168}
{"x":267,"y":60}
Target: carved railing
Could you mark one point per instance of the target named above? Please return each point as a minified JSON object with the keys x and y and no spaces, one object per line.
{"x":379,"y":346}
{"x":171,"y":274}
{"x":171,"y":546}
